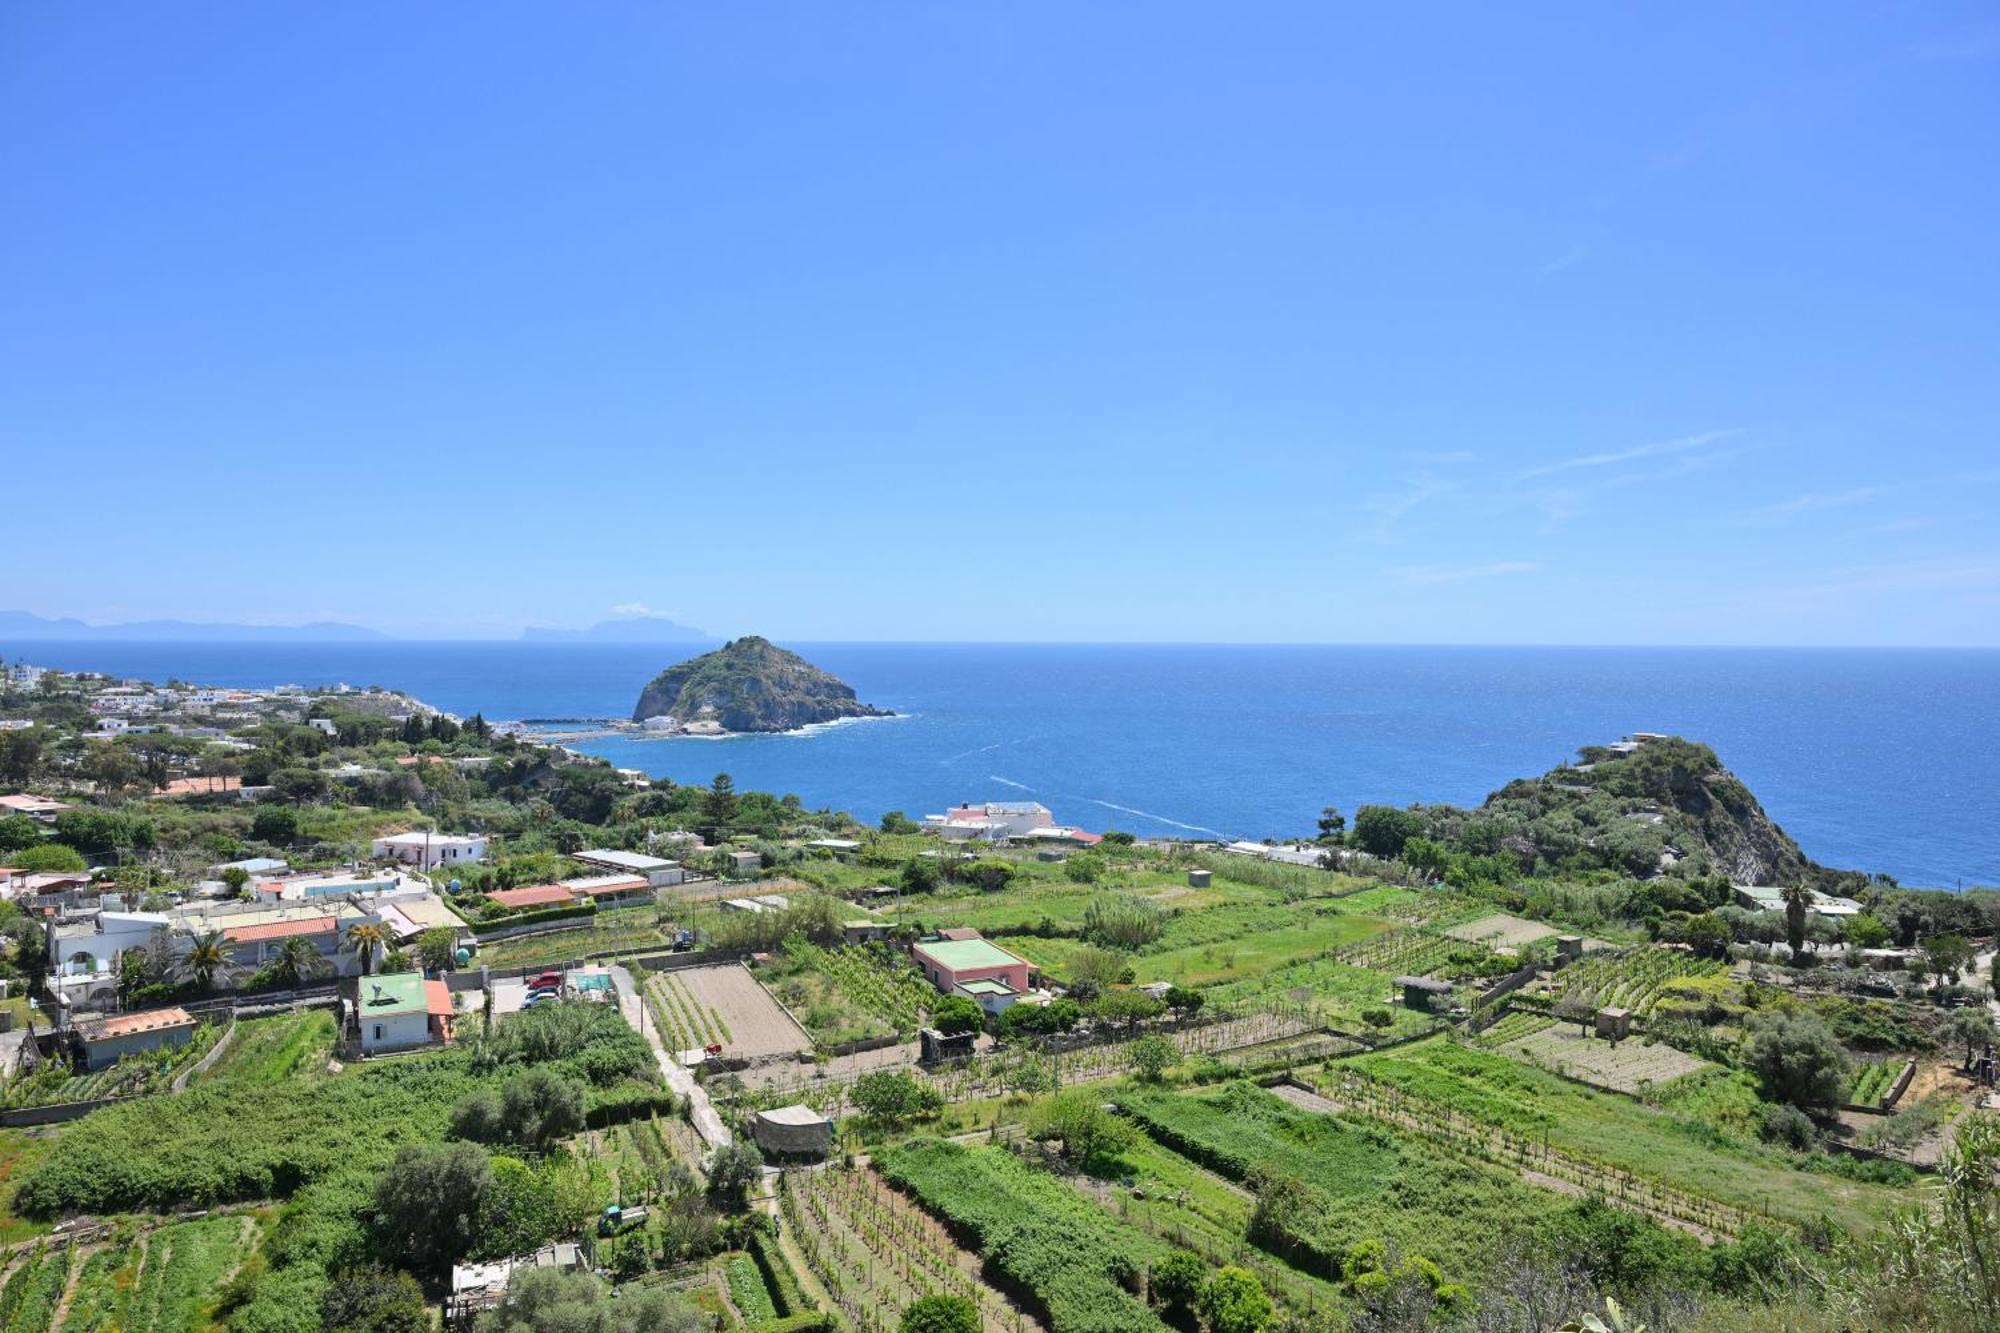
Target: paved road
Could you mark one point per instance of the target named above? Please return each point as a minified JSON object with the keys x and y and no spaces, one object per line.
{"x":701,"y":1111}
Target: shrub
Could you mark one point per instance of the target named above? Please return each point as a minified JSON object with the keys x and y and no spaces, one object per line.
{"x":1798,"y":1061}
{"x":941,"y":1314}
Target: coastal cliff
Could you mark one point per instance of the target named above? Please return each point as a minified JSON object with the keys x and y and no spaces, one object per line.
{"x":1642,"y":807}
{"x":748,"y":685}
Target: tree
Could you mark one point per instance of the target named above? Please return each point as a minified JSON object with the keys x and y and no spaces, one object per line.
{"x":1030,"y":1076}
{"x":941,"y":1314}
{"x":1708,"y":935}
{"x":296,"y":962}
{"x":1153,"y":1056}
{"x":1332,"y":824}
{"x":541,"y":1108}
{"x":1948,"y":956}
{"x":1798,"y":1061}
{"x":364,"y":940}
{"x":1084,"y":868}
{"x":1382,"y":830}
{"x":1126,"y":1007}
{"x":548,"y":1300}
{"x":428,"y":1205}
{"x":1185,"y":1002}
{"x":1426,"y":857}
{"x":437,"y":949}
{"x":234,"y":878}
{"x":1377,"y":1017}
{"x":207,"y":958}
{"x":1234,"y":1301}
{"x":1975,"y":1028}
{"x":374,"y":1299}
{"x":990,"y":874}
{"x":275,"y":824}
{"x":920,"y":875}
{"x":18,"y":832}
{"x":894,"y":1096}
{"x":956,"y":1013}
{"x":718,"y":803}
{"x":1798,"y":905}
{"x":1088,"y":1133}
{"x":1093,"y":970}
{"x":733,"y":1168}
{"x":50,"y":856}
{"x":1175,"y":1283}
{"x":1867,"y":932}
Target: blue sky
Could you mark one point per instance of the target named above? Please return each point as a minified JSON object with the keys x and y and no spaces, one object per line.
{"x":1553,"y":323}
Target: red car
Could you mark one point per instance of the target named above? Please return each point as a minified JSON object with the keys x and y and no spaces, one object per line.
{"x":546,"y":981}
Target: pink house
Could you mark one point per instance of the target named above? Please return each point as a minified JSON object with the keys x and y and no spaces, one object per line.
{"x":951,"y":963}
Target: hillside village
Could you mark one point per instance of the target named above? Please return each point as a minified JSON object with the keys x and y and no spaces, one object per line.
{"x":321,"y":1008}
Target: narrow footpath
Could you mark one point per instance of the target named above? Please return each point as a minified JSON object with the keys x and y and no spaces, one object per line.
{"x":701,"y":1111}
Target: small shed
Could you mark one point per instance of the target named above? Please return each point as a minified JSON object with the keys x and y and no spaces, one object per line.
{"x":1417,"y":992}
{"x":934,"y":1047}
{"x":104,"y":1041}
{"x":863,"y":931}
{"x":1614,"y":1023}
{"x":1199,"y":879}
{"x":745,"y":863}
{"x":793,"y":1131}
{"x":1569,"y":948}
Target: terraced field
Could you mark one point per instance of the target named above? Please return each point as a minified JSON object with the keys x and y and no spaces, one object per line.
{"x":1630,"y":1066}
{"x":875,"y":1251}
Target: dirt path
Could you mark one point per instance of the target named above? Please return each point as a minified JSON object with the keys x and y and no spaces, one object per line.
{"x":701,"y":1112}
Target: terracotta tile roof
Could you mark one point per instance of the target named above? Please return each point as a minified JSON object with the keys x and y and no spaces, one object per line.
{"x":535,"y":895}
{"x":437,"y":998}
{"x":124,"y":1025}
{"x":279,"y":930}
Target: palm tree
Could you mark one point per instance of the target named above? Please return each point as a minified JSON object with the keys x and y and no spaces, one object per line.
{"x":1798,"y":901}
{"x":206,"y":960}
{"x":297,"y":961}
{"x":363,"y":940}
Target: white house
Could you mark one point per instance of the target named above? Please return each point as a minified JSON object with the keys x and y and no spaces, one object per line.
{"x":430,"y":850}
{"x":995,"y":821}
{"x":401,"y":1012}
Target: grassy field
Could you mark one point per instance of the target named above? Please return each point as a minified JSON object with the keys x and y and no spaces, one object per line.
{"x":849,"y":993}
{"x":622,"y":929}
{"x":266,"y":1051}
{"x":1698,"y":1139}
{"x":1365,"y":1180}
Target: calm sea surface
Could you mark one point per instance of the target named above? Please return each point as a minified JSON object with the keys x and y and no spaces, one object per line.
{"x":1878,"y":760}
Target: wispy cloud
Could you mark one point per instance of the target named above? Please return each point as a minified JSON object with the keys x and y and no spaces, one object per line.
{"x":1613,"y":457}
{"x":1458,"y":573}
{"x":1812,"y":500}
{"x":1391,"y":507}
{"x":1568,"y":259}
{"x":1896,"y":526}
{"x":1974,"y":575}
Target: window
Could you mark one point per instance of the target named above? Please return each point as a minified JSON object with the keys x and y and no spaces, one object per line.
{"x":378,"y":1032}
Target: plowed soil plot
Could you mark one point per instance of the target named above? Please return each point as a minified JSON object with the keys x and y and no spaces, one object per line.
{"x":724,"y":1005}
{"x":1628,"y":1066}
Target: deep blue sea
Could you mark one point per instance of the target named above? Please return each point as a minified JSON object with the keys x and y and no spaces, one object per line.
{"x":1882,"y":760}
